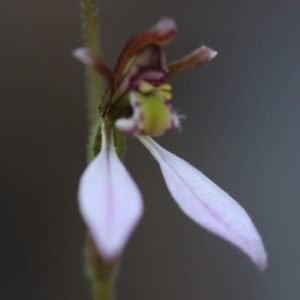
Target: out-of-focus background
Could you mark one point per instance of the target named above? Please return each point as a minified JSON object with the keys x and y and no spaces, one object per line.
{"x":242,"y":130}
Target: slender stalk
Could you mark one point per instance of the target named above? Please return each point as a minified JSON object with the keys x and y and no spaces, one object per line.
{"x":100,"y":273}
{"x":92,"y":41}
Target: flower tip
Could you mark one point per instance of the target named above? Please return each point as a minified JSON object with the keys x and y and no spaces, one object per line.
{"x":262,"y":265}
{"x":205,"y":52}
{"x":262,"y":261}
{"x":213,"y":53}
{"x":83,"y":55}
{"x":165,"y":26}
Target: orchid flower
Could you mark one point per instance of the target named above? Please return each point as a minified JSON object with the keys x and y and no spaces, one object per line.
{"x":137,"y":101}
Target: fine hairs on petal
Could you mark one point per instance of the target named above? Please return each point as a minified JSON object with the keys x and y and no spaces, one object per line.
{"x":110,"y":202}
{"x":207,"y":204}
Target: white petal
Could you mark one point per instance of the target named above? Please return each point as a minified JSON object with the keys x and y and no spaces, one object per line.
{"x":110,"y":202}
{"x":207,"y":204}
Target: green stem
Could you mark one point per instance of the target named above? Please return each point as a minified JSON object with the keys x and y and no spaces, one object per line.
{"x":100,"y":273}
{"x":91,"y":37}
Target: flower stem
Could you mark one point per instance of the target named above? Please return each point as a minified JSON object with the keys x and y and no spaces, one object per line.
{"x":91,"y":37}
{"x":100,"y":273}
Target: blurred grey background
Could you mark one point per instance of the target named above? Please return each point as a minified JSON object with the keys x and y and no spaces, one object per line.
{"x":242,"y":130}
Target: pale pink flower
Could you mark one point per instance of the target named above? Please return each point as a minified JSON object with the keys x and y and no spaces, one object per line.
{"x":137,"y":101}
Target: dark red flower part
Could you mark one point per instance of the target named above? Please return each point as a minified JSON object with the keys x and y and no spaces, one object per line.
{"x":141,"y":69}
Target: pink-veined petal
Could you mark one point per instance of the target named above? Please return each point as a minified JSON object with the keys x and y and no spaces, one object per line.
{"x":110,"y":202}
{"x":207,"y":204}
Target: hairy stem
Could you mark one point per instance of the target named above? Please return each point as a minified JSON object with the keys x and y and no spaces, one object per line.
{"x":100,"y":273}
{"x":91,"y":37}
